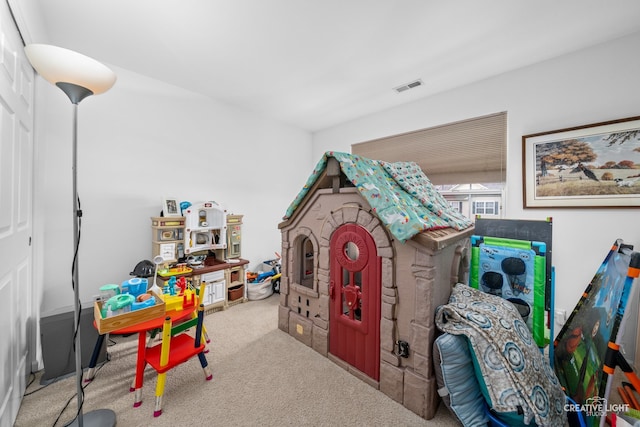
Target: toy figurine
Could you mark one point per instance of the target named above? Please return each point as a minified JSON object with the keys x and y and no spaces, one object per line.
{"x":170,"y":287}
{"x":182,"y":284}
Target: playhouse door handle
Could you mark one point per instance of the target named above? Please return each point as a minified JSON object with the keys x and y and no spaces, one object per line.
{"x":352,"y":297}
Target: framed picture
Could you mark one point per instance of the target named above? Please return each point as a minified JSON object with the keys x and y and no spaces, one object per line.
{"x":171,"y":207}
{"x":592,"y":166}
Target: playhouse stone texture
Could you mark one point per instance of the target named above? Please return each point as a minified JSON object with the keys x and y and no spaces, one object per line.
{"x":415,"y":277}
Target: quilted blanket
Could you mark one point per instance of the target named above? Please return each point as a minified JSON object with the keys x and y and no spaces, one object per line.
{"x":517,"y":375}
{"x":400,"y":194}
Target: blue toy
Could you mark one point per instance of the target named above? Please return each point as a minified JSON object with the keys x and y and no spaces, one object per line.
{"x":135,"y":286}
{"x":149,"y":302}
{"x":170,"y":287}
{"x":264,"y":275}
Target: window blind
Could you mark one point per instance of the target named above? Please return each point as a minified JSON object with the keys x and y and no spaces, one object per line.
{"x":468,"y":151}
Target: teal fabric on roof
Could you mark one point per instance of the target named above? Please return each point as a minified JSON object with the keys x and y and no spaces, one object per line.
{"x":400,"y":194}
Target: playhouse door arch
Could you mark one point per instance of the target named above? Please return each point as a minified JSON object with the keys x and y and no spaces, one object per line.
{"x":355,"y":287}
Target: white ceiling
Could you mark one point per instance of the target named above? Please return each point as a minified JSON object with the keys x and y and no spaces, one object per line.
{"x":318,"y":63}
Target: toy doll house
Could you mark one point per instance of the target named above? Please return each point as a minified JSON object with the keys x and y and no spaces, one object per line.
{"x":369,"y":250}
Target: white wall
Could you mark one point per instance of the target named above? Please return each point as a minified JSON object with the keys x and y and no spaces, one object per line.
{"x":590,"y":86}
{"x":138,"y":142}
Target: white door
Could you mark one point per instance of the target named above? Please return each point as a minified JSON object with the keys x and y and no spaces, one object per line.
{"x":16,"y":171}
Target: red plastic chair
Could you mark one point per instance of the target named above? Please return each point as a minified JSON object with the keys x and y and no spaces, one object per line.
{"x":176,"y":347}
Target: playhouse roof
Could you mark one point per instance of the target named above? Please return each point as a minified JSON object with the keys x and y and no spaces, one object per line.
{"x":399,"y":193}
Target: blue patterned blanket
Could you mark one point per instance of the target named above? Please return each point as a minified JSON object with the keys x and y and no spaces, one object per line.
{"x":516,"y":374}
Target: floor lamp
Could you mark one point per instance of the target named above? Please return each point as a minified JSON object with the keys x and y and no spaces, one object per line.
{"x":78,"y":76}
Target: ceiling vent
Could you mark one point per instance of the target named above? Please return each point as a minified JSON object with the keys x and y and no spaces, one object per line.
{"x":412,"y":85}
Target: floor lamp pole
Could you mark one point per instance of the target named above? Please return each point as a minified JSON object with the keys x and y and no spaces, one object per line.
{"x":78,"y":76}
{"x":100,"y":417}
{"x":76,"y":251}
{"x":75,"y":273}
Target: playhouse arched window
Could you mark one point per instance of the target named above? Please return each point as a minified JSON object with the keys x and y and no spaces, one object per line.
{"x":306,"y":263}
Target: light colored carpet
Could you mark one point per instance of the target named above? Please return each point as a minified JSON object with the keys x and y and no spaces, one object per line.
{"x":261,"y":377}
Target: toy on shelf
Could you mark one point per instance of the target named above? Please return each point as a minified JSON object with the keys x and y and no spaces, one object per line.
{"x":174,"y":271}
{"x":205,"y":228}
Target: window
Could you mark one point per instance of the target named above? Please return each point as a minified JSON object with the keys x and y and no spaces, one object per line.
{"x":462,"y":159}
{"x":455,"y":204}
{"x":486,"y":208}
{"x":469,"y":151}
{"x":306,"y":263}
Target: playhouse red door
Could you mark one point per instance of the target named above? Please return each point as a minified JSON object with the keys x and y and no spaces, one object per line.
{"x":355,"y":286}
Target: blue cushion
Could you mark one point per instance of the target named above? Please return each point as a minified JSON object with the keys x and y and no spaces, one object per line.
{"x":457,"y":383}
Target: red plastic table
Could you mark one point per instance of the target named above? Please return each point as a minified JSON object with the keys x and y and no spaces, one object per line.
{"x":141,"y":329}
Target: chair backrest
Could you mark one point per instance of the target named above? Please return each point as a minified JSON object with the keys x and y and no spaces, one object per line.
{"x":194,"y":322}
{"x":169,"y":331}
{"x":177,"y":346}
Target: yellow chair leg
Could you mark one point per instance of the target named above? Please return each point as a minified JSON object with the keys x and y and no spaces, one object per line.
{"x":159,"y":392}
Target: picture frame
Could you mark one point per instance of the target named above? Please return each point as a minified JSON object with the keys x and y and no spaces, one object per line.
{"x":171,"y":207}
{"x":590,"y":166}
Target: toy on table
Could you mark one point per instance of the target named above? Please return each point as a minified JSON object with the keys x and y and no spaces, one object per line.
{"x":117,"y":304}
{"x":182,"y":284}
{"x":170,"y":286}
{"x":131,"y":295}
{"x":108,"y":291}
{"x":134,"y":286}
{"x":179,"y":302}
{"x":143,"y":301}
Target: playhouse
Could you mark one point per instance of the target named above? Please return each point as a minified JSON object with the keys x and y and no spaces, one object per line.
{"x":369,"y":250}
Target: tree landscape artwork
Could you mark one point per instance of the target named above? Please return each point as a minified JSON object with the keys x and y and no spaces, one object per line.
{"x":588,"y":166}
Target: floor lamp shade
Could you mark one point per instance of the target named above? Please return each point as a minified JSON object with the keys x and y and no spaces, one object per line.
{"x":78,"y":76}
{"x":59,"y":66}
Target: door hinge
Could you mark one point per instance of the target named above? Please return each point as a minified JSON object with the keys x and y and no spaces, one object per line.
{"x":29,"y":240}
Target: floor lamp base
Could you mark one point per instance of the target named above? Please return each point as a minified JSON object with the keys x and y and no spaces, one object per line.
{"x":99,"y":417}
